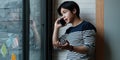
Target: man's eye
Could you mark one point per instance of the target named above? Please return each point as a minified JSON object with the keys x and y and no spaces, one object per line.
{"x":64,"y":11}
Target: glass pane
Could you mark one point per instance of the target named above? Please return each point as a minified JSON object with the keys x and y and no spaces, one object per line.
{"x":35,"y":26}
{"x":10,"y":29}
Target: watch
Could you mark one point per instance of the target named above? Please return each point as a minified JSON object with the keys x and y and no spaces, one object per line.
{"x":71,"y":48}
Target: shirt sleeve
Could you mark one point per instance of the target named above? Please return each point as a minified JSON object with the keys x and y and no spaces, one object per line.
{"x":89,"y":40}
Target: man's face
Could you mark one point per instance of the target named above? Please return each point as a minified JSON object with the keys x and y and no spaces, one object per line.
{"x":67,"y":15}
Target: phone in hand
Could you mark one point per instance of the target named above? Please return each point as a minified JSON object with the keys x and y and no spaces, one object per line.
{"x":62,"y":22}
{"x":62,"y":41}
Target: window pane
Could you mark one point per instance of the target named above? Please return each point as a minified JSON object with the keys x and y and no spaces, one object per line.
{"x":10,"y":29}
{"x":35,"y":26}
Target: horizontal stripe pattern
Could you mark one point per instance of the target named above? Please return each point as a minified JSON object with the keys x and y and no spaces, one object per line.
{"x":83,"y":34}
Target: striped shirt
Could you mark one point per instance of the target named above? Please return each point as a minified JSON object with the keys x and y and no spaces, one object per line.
{"x":82,"y":34}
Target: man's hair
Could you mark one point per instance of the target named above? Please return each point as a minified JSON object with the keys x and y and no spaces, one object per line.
{"x":70,"y":5}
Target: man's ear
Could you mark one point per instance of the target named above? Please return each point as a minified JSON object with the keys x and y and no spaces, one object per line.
{"x":74,"y":11}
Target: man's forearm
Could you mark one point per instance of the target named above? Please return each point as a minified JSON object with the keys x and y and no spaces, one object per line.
{"x":79,"y":49}
{"x":55,"y":35}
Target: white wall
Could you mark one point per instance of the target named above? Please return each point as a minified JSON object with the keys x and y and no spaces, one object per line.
{"x":112,"y":29}
{"x":87,"y":12}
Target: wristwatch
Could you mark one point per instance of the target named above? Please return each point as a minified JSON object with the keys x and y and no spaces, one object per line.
{"x":71,"y":48}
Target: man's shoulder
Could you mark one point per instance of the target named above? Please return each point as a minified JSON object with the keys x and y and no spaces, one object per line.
{"x":88,"y":26}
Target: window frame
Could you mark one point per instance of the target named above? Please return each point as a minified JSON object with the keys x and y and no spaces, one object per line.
{"x":46,"y":29}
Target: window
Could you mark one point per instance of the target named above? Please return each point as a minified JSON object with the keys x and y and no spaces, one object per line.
{"x":26,"y":30}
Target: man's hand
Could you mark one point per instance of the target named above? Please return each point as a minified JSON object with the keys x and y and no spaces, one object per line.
{"x":56,"y":44}
{"x":66,"y":46}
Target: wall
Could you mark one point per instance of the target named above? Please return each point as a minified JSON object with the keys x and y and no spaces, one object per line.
{"x":111,"y":30}
{"x":87,"y":12}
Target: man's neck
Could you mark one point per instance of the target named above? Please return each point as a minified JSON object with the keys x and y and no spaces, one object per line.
{"x":76,"y":21}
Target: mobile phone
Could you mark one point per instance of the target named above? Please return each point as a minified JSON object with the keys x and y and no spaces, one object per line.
{"x":62,"y":22}
{"x":62,"y":39}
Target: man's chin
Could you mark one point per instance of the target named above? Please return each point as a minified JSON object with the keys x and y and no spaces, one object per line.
{"x":68,"y":22}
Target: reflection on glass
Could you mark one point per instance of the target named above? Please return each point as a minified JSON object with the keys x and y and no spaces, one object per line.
{"x":35,"y":39}
{"x":11,"y":30}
